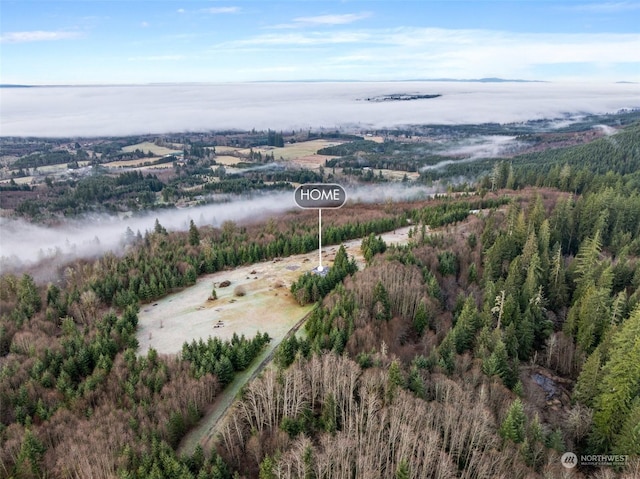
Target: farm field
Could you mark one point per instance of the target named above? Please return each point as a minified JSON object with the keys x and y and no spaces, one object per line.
{"x":293,"y":151}
{"x":228,"y":160}
{"x":24,"y":180}
{"x":148,"y":146}
{"x":132,"y":163}
{"x":224,"y":149}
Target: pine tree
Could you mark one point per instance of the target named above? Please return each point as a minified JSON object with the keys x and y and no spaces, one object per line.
{"x":628,"y":440}
{"x":403,"y":471}
{"x":497,"y":364}
{"x":420,"y":320}
{"x":381,"y":304}
{"x":619,"y":386}
{"x":513,"y":426}
{"x":466,"y":326}
{"x":194,"y":234}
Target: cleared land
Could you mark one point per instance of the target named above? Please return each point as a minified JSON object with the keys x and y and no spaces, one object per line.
{"x":188,"y":315}
{"x":293,"y":151}
{"x":224,"y":149}
{"x":23,"y":180}
{"x":267,"y":305}
{"x":132,"y":163}
{"x":228,"y":160}
{"x":147,"y":146}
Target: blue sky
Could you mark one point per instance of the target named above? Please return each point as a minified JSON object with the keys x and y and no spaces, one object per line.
{"x":117,"y":41}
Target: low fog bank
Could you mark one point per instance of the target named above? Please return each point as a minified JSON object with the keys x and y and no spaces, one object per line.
{"x":155,"y":109}
{"x":486,"y":147}
{"x":24,"y":244}
{"x":496,"y":146}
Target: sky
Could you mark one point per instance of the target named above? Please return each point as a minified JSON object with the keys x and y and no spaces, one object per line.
{"x":140,"y":42}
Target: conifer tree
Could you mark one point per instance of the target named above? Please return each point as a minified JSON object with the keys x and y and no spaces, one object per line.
{"x":420,"y":320}
{"x":620,"y":385}
{"x":381,"y":303}
{"x":513,"y":426}
{"x":194,"y":234}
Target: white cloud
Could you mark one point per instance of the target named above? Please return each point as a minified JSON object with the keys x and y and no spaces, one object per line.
{"x":157,"y":58}
{"x":322,"y":21}
{"x":343,"y":19}
{"x":300,"y":39}
{"x":37,"y":36}
{"x":409,"y":52}
{"x":144,"y":24}
{"x":125,"y":110}
{"x":605,"y":7}
{"x":220,"y":10}
{"x":180,"y":10}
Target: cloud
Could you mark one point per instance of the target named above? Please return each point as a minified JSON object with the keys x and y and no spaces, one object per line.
{"x":180,"y":10}
{"x":604,"y":7}
{"x":128,"y":110}
{"x":157,"y":58}
{"x":220,"y":10}
{"x":322,"y":21}
{"x":37,"y":36}
{"x":462,"y":49}
{"x":343,"y":19}
{"x":299,"y":39}
{"x":144,"y":24}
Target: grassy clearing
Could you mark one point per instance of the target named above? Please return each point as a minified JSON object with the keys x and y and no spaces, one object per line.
{"x":228,"y":160}
{"x":297,"y":150}
{"x":397,"y":175}
{"x":263,"y":308}
{"x":147,"y":147}
{"x":225,"y":149}
{"x":25,"y":180}
{"x":131,"y":163}
{"x":267,"y":306}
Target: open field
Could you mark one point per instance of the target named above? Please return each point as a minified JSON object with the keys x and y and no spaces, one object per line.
{"x":189,"y":315}
{"x":25,"y":180}
{"x":267,"y":306}
{"x":148,"y":146}
{"x":397,"y":175}
{"x":312,"y":162}
{"x":224,"y":149}
{"x":228,"y":160}
{"x":293,"y":151}
{"x":133,"y":163}
{"x":53,"y":170}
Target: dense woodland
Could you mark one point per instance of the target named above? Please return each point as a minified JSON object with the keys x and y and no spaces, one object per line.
{"x":426,"y":363}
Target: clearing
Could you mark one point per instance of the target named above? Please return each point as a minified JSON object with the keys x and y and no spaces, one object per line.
{"x":133,"y":163}
{"x":147,"y":146}
{"x":228,"y":160}
{"x":267,"y":306}
{"x":294,"y":151}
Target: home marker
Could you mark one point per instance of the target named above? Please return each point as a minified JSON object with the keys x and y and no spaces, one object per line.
{"x":320,"y":196}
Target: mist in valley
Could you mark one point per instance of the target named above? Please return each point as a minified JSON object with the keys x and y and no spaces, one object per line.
{"x":44,"y":248}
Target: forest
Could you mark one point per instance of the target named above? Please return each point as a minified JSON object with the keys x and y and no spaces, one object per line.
{"x":504,"y":334}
